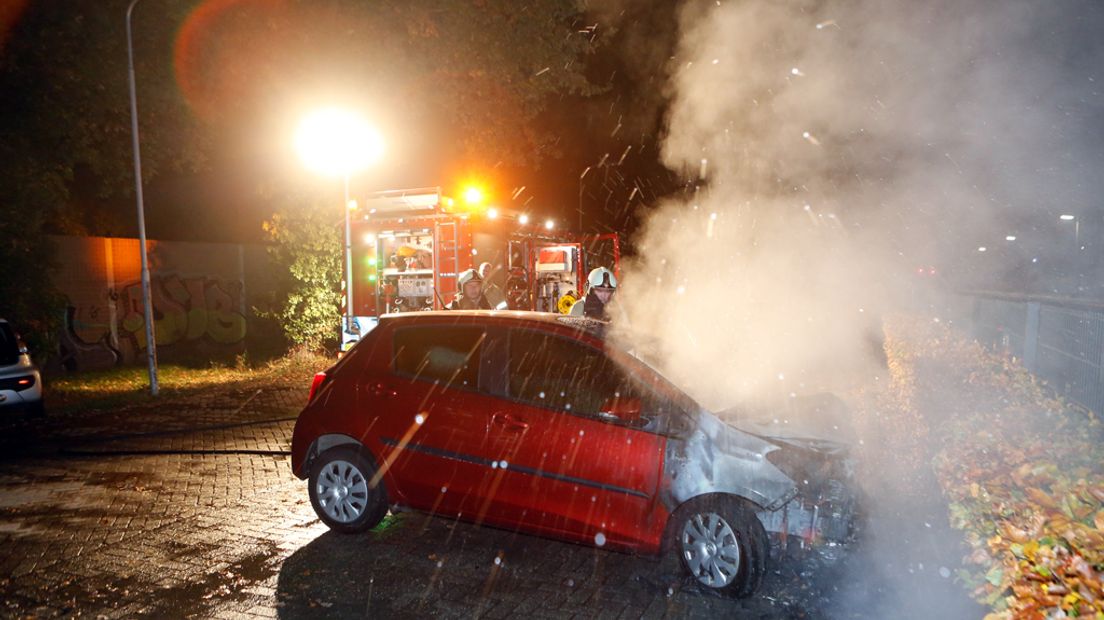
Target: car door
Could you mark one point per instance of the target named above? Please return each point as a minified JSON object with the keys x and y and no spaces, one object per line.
{"x":565,"y":464}
{"x":435,"y":432}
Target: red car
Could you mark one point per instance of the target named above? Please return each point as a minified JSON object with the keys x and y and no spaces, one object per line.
{"x":536,"y":423}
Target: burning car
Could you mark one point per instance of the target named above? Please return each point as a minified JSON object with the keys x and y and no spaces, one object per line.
{"x":537,"y":423}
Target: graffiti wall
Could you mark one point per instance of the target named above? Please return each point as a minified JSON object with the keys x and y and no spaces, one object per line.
{"x":198,"y":290}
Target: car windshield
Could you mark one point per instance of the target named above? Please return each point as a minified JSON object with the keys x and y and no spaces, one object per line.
{"x":9,"y":346}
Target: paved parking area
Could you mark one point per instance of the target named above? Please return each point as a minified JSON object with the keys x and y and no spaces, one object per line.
{"x":190,"y":510}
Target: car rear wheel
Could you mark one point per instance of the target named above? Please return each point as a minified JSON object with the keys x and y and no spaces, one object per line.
{"x":342,"y":493}
{"x":722,"y":544}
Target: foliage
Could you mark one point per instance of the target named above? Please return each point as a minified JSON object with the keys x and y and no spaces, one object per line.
{"x":65,"y":117}
{"x":1024,"y":475}
{"x":28,"y":296}
{"x":307,"y":252}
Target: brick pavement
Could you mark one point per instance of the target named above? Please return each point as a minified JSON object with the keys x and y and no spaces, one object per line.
{"x":92,"y":526}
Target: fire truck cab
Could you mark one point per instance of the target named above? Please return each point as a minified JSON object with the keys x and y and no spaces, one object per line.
{"x":409,"y":246}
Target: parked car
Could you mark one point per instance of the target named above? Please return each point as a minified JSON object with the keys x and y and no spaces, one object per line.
{"x":535,"y":422}
{"x":20,"y":381}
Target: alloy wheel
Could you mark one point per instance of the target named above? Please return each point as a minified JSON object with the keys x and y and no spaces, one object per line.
{"x":710,"y":549}
{"x":342,"y":491}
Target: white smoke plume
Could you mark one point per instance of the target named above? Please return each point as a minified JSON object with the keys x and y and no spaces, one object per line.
{"x":840,"y":144}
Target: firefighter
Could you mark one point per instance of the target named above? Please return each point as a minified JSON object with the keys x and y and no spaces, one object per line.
{"x":470,"y":296}
{"x":494,"y":295}
{"x":601,"y":284}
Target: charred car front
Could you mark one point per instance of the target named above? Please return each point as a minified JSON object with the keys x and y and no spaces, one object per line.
{"x":535,"y":422}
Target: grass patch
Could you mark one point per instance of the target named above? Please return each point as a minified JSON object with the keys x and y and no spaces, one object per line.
{"x":130,"y":385}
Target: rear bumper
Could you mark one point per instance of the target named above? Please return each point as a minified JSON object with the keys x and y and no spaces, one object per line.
{"x":301,"y":441}
{"x":13,"y":397}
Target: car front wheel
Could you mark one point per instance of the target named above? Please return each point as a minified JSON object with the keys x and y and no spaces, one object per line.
{"x":722,"y":544}
{"x":342,"y":491}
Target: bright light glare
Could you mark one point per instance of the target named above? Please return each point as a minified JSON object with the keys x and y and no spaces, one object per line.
{"x":1067,"y":217}
{"x":1010,"y":238}
{"x":473,"y":195}
{"x":352,"y":205}
{"x":982,"y":249}
{"x":549,"y":224}
{"x":492,"y":213}
{"x":337,"y":142}
{"x":523,"y":219}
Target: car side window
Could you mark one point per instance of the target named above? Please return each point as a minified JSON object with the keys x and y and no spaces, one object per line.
{"x":448,"y":355}
{"x":562,"y":375}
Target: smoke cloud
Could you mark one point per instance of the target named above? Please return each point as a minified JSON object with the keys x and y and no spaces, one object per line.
{"x":835,"y":146}
{"x":838,"y":145}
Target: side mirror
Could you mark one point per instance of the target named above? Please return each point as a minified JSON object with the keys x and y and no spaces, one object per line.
{"x":624,"y":409}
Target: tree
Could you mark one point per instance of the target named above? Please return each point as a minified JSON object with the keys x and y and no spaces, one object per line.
{"x":307,"y":253}
{"x":28,"y":297}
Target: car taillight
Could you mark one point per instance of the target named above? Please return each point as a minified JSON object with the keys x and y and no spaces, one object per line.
{"x":18,"y":384}
{"x":319,"y":379}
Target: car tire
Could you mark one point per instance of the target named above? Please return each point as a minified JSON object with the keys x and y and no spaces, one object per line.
{"x":722,"y":545}
{"x":341,"y":493}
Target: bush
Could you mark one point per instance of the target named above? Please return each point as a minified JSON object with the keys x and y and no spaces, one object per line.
{"x":306,"y":251}
{"x":28,"y":296}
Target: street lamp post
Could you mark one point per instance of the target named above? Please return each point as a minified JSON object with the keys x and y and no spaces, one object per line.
{"x":339,"y":143}
{"x":151,"y":343}
{"x":348,"y":326}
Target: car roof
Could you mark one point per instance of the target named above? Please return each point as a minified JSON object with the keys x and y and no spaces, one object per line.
{"x":593,"y":326}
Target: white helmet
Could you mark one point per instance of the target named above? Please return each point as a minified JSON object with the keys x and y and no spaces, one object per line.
{"x":468,"y":276}
{"x":600,"y":276}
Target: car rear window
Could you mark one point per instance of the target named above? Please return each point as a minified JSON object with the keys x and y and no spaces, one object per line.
{"x":446,"y":354}
{"x":9,"y":346}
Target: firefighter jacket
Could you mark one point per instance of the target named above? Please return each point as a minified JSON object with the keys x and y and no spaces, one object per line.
{"x":463,"y":303}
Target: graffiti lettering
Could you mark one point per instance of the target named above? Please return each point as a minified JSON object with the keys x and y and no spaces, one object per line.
{"x":185,"y":309}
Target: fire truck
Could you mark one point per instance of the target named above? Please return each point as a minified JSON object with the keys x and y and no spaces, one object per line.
{"x":408,"y":247}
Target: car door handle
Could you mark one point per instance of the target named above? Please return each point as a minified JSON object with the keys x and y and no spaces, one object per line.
{"x":382,"y":389}
{"x":508,"y":421}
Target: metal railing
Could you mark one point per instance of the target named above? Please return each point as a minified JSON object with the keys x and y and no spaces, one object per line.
{"x":1060,"y":341}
